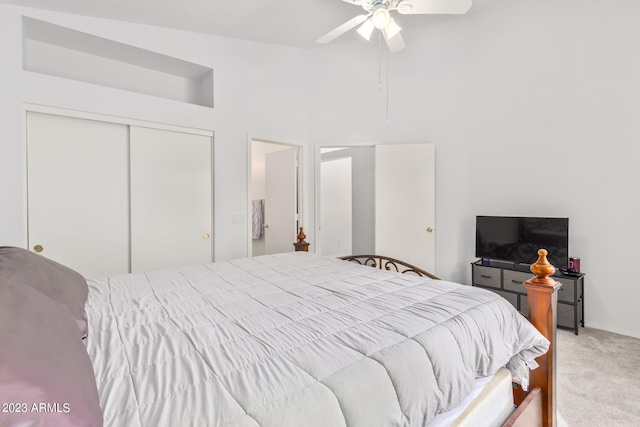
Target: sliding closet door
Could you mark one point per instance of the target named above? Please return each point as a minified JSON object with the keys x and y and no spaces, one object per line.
{"x":78,"y":193}
{"x":405,"y":203}
{"x":171,"y":199}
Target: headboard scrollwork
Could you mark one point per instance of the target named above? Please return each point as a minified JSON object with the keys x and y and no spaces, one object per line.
{"x":386,"y":263}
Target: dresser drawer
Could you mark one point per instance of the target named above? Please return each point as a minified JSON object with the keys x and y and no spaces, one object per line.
{"x":567,"y":291}
{"x":507,"y":280}
{"x":486,"y":276}
{"x":513,"y":280}
{"x":564,"y":312}
{"x":524,"y":305}
{"x":566,"y":315}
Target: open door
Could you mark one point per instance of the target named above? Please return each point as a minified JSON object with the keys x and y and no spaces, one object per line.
{"x":405,"y":203}
{"x":274,"y":197}
{"x":280,"y":205}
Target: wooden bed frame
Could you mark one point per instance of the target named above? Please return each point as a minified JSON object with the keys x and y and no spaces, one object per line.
{"x":538,"y":406}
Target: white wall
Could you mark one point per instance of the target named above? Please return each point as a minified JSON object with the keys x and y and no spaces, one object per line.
{"x":258,"y":88}
{"x":534,"y":109}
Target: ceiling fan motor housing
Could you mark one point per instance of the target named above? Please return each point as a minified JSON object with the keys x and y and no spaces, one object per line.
{"x":371,"y":5}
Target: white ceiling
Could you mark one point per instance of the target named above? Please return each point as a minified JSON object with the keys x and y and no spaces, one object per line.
{"x":296,"y":23}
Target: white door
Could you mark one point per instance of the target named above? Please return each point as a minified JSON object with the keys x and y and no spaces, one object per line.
{"x":336,"y":207}
{"x":171,"y":199}
{"x":78,"y":194}
{"x":405,"y":208}
{"x":281,"y":198}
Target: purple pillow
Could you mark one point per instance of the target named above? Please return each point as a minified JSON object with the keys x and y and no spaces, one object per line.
{"x":46,"y":376}
{"x":62,"y":284}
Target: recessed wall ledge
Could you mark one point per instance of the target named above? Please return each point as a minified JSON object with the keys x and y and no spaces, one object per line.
{"x":63,"y":52}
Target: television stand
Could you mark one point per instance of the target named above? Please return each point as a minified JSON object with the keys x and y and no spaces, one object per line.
{"x":506,"y":278}
{"x":509,"y":265}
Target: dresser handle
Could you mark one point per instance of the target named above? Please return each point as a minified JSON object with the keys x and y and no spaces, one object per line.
{"x":485,"y":276}
{"x":515,"y":281}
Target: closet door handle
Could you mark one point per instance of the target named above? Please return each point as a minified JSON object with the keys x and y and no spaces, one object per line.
{"x":38,"y":248}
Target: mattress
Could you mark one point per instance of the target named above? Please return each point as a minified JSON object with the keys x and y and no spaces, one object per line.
{"x":294,"y":339}
{"x":489,"y":404}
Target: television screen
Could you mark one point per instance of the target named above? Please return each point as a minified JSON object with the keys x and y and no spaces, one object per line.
{"x":517,"y":239}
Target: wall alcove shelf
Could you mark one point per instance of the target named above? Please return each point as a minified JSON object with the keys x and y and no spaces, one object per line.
{"x":64,"y":52}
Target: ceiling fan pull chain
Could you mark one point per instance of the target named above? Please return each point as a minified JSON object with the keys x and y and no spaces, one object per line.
{"x":380,"y":74}
{"x":379,"y":60}
{"x":388,"y":88}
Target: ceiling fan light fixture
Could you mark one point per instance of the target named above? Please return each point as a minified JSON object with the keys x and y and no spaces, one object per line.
{"x":380,"y":17}
{"x":366,"y":29}
{"x":377,"y":15}
{"x":392,"y":28}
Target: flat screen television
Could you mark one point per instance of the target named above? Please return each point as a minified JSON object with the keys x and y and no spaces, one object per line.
{"x":517,"y":239}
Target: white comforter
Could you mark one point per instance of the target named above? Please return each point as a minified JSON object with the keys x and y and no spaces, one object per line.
{"x":293,"y":340}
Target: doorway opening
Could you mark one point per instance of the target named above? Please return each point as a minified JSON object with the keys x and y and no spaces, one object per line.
{"x":378,"y":199}
{"x":274,"y":197}
{"x":347,"y":200}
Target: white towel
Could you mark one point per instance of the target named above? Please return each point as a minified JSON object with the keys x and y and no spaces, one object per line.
{"x":257,"y":218}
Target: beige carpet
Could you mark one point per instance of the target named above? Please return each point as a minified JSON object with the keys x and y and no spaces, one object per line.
{"x":598,"y":379}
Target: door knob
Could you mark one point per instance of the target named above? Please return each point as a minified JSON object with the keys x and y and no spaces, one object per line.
{"x":429,"y":229}
{"x":266,"y":226}
{"x":38,"y":248}
{"x":205,"y":236}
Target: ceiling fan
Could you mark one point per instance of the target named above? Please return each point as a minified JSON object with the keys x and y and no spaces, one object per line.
{"x":378,"y":15}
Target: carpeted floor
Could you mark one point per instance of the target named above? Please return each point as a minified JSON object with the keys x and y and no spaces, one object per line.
{"x":598,"y":379}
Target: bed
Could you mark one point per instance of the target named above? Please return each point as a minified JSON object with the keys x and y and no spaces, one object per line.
{"x":292,"y":339}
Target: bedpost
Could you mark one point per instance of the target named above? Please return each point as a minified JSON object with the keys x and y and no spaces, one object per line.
{"x":542,"y":295}
{"x":301,"y":245}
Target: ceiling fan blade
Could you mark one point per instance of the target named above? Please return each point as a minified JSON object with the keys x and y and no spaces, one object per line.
{"x":395,"y":43}
{"x":417,"y":7}
{"x":340,"y":30}
{"x":356,"y":2}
